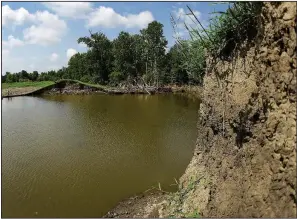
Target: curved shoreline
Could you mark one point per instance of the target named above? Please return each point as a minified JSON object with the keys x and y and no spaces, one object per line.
{"x":62,"y":87}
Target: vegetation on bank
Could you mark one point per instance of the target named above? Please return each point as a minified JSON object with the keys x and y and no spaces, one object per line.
{"x":23,"y":88}
{"x":84,"y":83}
{"x":141,"y":58}
{"x":29,"y":87}
{"x":221,"y":39}
{"x":37,"y":84}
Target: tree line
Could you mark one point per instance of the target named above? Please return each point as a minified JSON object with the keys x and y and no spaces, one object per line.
{"x":130,"y":58}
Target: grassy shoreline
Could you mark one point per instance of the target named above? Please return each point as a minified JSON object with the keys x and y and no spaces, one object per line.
{"x":23,"y":88}
{"x":37,"y":84}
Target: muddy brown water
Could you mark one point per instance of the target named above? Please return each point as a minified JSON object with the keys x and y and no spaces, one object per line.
{"x":78,"y":156}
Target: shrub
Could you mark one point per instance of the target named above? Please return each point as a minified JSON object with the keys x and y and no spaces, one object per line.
{"x":86,"y":78}
{"x":115,"y":77}
{"x":96,"y":80}
{"x":23,"y":80}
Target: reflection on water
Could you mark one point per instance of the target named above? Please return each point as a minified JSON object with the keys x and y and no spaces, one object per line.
{"x":77,"y":156}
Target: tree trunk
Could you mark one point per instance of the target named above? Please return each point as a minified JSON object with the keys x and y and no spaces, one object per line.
{"x":156,"y":73}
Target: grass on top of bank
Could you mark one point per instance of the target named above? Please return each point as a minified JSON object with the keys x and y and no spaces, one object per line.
{"x":84,"y":83}
{"x":37,"y":84}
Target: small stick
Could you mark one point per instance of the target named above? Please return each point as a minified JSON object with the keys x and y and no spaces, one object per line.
{"x":176,"y":182}
{"x":160,"y":187}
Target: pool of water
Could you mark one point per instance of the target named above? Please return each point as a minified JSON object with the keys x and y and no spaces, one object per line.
{"x":78,"y":156}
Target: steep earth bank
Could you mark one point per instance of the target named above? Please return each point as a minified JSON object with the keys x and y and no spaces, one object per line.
{"x":244,"y":164}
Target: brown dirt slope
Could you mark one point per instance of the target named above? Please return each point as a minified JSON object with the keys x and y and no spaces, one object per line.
{"x":18,"y":91}
{"x":245,"y":160}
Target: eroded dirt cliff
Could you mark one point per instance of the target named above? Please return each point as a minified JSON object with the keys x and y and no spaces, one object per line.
{"x":245,"y":161}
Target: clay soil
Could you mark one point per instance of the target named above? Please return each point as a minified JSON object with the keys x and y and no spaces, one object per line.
{"x":18,"y":91}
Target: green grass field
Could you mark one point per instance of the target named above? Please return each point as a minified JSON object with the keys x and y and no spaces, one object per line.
{"x":37,"y":84}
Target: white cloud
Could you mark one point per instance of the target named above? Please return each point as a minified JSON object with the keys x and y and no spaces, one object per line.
{"x":182,"y":16}
{"x":47,"y":28}
{"x":70,"y":9}
{"x":107,"y":17}
{"x":50,"y":29}
{"x":180,"y":34}
{"x":15,"y":17}
{"x":12,"y":42}
{"x":54,"y":57}
{"x":29,"y":63}
{"x":70,"y":52}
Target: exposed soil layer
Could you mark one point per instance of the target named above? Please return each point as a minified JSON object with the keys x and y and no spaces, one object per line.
{"x":244,"y":164}
{"x":83,"y":89}
{"x":68,"y":86}
{"x":18,"y":91}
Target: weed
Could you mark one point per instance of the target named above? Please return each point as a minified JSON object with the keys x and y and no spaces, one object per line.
{"x":221,"y":39}
{"x":195,"y":214}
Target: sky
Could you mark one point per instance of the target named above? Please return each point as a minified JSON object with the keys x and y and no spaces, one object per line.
{"x":42,"y":36}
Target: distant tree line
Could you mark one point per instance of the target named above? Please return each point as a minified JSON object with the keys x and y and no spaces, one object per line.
{"x":130,"y":58}
{"x":24,"y":76}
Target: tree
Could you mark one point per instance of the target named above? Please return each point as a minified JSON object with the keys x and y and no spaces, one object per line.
{"x":155,"y":44}
{"x":10,"y":78}
{"x":115,"y":78}
{"x":76,"y":66}
{"x":43,"y":77}
{"x":123,"y":55}
{"x":52,"y":75}
{"x":24,"y":75}
{"x":99,"y":54}
{"x":178,"y":72}
{"x":138,"y":54}
{"x":3,"y":77}
{"x":193,"y":60}
{"x":33,"y":76}
{"x":62,"y":73}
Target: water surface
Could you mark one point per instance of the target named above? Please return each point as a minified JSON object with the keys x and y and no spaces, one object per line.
{"x":78,"y":156}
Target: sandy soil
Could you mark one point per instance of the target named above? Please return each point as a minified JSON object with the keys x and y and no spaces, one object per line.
{"x":141,"y":206}
{"x":18,"y":90}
